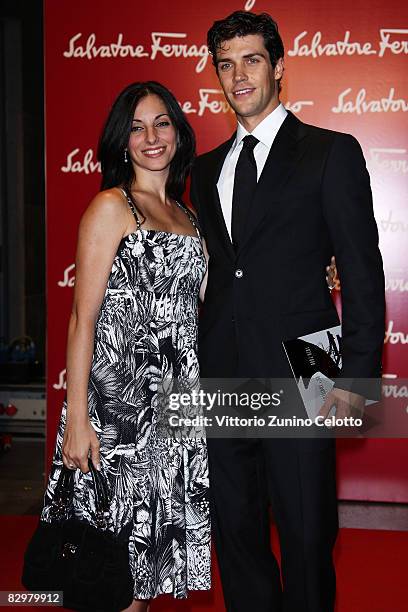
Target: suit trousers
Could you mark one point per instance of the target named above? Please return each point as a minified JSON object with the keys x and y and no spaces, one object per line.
{"x":297,"y":477}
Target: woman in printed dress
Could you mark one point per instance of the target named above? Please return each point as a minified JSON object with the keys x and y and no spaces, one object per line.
{"x":140,"y":267}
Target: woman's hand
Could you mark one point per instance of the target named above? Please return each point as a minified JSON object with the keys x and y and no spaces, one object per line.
{"x":80,"y":439}
{"x":332,"y":278}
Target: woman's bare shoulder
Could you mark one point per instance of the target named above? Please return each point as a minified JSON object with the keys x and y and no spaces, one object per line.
{"x":107,"y":207}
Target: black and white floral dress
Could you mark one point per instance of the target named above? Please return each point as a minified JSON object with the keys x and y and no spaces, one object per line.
{"x":147,"y":333}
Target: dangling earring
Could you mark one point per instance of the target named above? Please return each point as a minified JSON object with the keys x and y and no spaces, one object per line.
{"x":125,"y":157}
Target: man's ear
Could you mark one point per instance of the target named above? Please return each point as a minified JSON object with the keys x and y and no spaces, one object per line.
{"x":279,"y":69}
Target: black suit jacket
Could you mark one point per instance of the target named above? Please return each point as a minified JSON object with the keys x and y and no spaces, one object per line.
{"x":313,"y":200}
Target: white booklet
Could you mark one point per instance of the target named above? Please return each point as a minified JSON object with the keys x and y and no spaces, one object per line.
{"x":315,"y":360}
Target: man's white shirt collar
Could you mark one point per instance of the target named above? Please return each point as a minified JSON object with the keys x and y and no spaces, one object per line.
{"x":265,"y":131}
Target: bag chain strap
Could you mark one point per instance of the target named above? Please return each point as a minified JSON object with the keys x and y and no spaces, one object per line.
{"x":64,"y":493}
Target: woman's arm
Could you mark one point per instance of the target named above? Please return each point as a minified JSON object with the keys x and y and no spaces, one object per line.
{"x":101,"y":229}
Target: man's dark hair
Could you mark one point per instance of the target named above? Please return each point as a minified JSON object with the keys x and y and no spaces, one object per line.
{"x":244,"y":23}
{"x":116,"y":132}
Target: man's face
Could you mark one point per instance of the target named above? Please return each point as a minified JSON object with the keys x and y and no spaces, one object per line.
{"x":247,"y":77}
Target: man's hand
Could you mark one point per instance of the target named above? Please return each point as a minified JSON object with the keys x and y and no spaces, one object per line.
{"x":346,"y":404}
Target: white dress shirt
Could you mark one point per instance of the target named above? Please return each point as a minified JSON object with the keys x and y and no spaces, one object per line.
{"x":265,"y":132}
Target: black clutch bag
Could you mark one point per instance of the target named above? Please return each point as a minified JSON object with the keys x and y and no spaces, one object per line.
{"x":88,"y":564}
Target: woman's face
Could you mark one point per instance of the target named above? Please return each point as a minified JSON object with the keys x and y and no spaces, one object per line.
{"x":153,"y":139}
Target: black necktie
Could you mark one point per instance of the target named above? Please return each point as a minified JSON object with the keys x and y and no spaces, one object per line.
{"x":244,"y":187}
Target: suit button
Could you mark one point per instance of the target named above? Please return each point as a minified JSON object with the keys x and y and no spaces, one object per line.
{"x":239,"y":273}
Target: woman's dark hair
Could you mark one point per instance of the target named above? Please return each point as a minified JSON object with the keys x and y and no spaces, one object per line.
{"x":116,"y":132}
{"x":244,"y":23}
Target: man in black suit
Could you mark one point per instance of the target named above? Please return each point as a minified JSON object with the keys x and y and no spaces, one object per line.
{"x":275,"y":202}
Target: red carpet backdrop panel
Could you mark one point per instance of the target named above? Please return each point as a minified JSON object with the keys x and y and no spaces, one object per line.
{"x":345,"y":70}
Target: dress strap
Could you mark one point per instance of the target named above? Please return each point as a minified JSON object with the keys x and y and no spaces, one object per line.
{"x":193,"y":219}
{"x":132,"y":207}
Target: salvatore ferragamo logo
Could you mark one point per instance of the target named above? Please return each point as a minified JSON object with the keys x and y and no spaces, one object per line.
{"x":62,"y":381}
{"x":68,"y":279}
{"x":392,"y":225}
{"x":396,"y":281}
{"x":394,"y":391}
{"x":394,"y":41}
{"x":359,"y":104}
{"x":394,"y":337}
{"x":87,"y":165}
{"x":213,"y":101}
{"x":163,"y":44}
{"x":297,"y":107}
{"x":391,"y":160}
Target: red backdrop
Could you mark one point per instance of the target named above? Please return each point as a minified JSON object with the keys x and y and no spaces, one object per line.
{"x":344,"y":70}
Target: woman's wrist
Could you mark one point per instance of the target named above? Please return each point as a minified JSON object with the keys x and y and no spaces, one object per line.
{"x":77,"y":414}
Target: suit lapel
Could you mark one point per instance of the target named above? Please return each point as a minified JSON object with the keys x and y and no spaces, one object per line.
{"x":283,"y":157}
{"x":215,"y":210}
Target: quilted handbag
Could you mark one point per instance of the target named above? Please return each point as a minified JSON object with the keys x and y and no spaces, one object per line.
{"x":89,"y":564}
